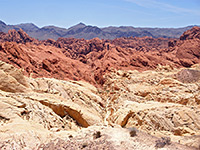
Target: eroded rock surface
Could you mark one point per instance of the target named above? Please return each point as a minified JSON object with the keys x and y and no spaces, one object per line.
{"x":89,"y":60}
{"x":51,"y":113}
{"x":156,"y":102}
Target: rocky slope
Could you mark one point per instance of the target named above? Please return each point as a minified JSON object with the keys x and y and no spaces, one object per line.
{"x":88,"y":32}
{"x":89,"y":60}
{"x":45,"y":113}
{"x":127,"y":93}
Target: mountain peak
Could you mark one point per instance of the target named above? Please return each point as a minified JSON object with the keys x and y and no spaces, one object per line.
{"x":2,"y":23}
{"x":80,"y":25}
{"x":82,"y":30}
{"x":27,"y":26}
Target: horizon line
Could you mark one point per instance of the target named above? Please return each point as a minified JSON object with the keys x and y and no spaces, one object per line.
{"x":81,"y":22}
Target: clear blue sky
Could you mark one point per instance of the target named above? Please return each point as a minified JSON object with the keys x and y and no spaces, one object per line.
{"x":138,"y":13}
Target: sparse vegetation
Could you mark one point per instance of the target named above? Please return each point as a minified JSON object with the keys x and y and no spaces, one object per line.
{"x":97,"y":135}
{"x":132,"y":132}
{"x":162,"y":142}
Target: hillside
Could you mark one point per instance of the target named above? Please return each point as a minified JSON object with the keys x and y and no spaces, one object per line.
{"x":88,"y":32}
{"x":90,"y":59}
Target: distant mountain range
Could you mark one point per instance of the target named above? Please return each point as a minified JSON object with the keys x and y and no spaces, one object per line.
{"x":88,"y":32}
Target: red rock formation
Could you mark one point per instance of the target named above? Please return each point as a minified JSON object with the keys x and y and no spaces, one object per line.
{"x":79,"y":59}
{"x":188,"y":49}
{"x":144,"y":44}
{"x":16,"y":36}
{"x":44,"y":61}
{"x":191,"y":34}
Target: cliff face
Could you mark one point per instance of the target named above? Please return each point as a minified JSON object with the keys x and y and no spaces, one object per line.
{"x":127,"y":93}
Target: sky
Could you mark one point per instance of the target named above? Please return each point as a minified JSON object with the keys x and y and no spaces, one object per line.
{"x":102,"y":13}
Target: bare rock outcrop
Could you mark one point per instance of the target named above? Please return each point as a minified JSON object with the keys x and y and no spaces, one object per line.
{"x":43,"y":106}
{"x":11,"y":79}
{"x":191,"y":34}
{"x":54,"y":110}
{"x":188,"y":75}
{"x":89,"y":60}
{"x":17,"y":36}
{"x":44,"y":61}
{"x":188,"y":52}
{"x":157,"y":102}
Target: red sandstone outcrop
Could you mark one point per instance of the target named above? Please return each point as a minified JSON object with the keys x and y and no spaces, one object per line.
{"x":188,"y":48}
{"x":191,"y":34}
{"x":16,"y":36}
{"x":44,"y":61}
{"x":80,"y":59}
